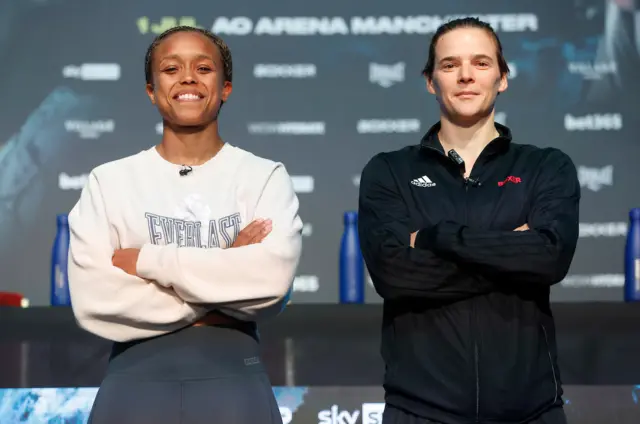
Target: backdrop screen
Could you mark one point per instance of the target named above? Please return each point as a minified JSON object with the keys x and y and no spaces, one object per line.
{"x":313,"y":405}
{"x":321,"y":87}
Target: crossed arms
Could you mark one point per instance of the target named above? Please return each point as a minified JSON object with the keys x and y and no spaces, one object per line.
{"x":166,"y":287}
{"x":450,"y":261}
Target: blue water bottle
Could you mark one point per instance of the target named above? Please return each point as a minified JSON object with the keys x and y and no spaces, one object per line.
{"x":351,"y":262}
{"x":59,"y":256}
{"x":632,"y":258}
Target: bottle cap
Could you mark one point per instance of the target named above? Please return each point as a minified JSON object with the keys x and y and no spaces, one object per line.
{"x":634,"y":213}
{"x":350,"y":217}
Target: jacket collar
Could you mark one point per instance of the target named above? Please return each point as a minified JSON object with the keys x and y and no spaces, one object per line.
{"x":500,"y":143}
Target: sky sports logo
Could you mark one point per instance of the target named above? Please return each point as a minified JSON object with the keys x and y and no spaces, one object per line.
{"x":93,"y":72}
{"x":371,"y":414}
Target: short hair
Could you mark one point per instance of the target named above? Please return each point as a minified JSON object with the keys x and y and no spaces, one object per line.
{"x":428,"y":69}
{"x":223,"y":48}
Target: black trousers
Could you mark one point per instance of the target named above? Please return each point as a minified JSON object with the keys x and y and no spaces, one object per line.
{"x":394,"y":415}
{"x":199,"y":375}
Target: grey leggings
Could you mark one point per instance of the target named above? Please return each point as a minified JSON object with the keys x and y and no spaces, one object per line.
{"x":199,"y":375}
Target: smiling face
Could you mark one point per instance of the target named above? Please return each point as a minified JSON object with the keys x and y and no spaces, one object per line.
{"x":188,"y":79}
{"x":466,"y":76}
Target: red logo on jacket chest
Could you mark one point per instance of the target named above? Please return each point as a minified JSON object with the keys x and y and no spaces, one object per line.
{"x":510,"y":179}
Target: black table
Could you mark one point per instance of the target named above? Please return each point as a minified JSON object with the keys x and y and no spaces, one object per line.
{"x":314,"y":345}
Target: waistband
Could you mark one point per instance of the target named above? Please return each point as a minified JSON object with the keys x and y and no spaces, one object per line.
{"x":219,"y":319}
{"x":212,"y":349}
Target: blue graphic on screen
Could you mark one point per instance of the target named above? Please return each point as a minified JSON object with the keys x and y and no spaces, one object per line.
{"x":46,"y":406}
{"x":570,"y":84}
{"x":635,"y":394}
{"x":290,"y":397}
{"x":547,"y":64}
{"x":73,"y":405}
{"x":287,"y":297}
{"x":38,"y":142}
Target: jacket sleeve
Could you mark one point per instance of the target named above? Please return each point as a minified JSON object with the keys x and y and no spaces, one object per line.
{"x":539,"y":255}
{"x":397,"y":270}
{"x":105,"y":300}
{"x":256,"y":278}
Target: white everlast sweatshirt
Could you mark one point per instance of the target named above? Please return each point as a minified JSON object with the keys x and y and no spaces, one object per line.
{"x":184,"y":226}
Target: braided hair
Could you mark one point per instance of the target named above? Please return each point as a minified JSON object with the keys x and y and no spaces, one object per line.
{"x":223,"y":48}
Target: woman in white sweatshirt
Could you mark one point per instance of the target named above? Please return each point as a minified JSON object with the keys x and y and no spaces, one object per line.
{"x":178,"y":251}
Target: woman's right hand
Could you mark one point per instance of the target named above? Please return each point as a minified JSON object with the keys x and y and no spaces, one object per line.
{"x":253,"y":233}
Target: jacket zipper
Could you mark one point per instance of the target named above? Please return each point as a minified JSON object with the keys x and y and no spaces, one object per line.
{"x":473,"y":309}
{"x":553,"y":369}
{"x":476,"y":355}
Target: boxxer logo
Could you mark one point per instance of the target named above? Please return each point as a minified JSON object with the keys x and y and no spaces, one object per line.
{"x":336,"y":416}
{"x":378,"y":126}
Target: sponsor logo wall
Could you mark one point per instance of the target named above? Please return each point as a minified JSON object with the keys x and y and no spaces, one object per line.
{"x":313,"y":405}
{"x":321,"y":91}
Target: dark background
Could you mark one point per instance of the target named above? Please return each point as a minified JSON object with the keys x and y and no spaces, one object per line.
{"x":574,"y":62}
{"x":317,"y":356}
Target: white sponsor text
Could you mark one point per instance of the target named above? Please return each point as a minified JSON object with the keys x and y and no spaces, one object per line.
{"x":362,"y":25}
{"x":593,"y":122}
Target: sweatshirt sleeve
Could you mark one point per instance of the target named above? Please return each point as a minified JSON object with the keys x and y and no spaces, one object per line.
{"x":256,"y":278}
{"x":105,"y":300}
{"x":397,"y":270}
{"x":540,"y":255}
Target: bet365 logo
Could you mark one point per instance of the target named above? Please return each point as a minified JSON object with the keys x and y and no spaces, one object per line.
{"x":147,"y":26}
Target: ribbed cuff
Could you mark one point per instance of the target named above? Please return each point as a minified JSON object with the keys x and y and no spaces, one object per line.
{"x":149,"y":262}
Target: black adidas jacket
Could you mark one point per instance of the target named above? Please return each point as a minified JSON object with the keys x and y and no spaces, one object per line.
{"x":468,"y":335}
